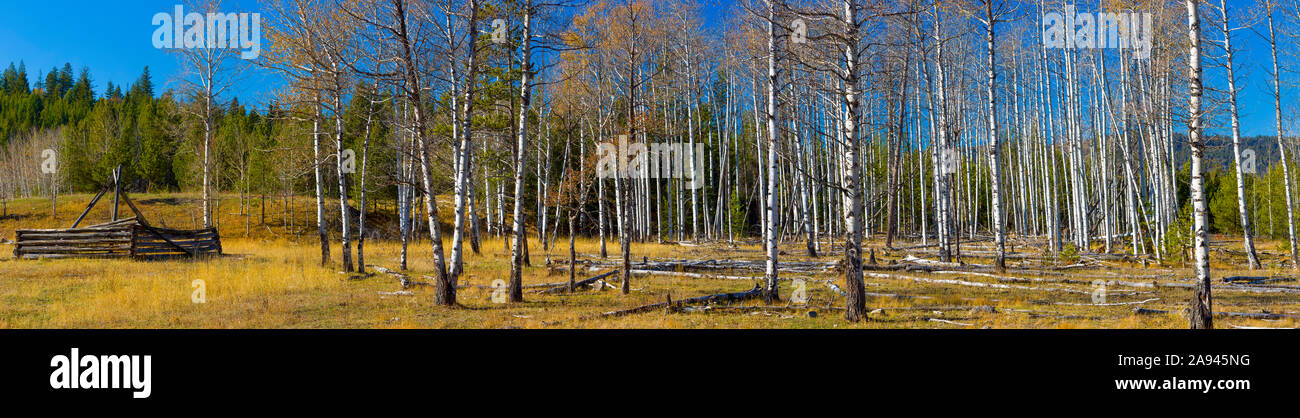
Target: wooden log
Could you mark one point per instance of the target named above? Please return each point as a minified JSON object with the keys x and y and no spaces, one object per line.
{"x":564,"y":287}
{"x":720,"y":297}
{"x":60,"y":242}
{"x":139,"y":216}
{"x":73,"y":248}
{"x":971,"y":284}
{"x":710,"y":264}
{"x":88,"y":207}
{"x":181,"y":238}
{"x":945,"y":321}
{"x":1109,"y":304}
{"x":65,"y":256}
{"x":700,"y":308}
{"x":1014,"y":279}
{"x":1246,"y":327}
{"x":186,"y":244}
{"x":170,"y":231}
{"x":1256,"y":279}
{"x":111,"y":224}
{"x":695,"y":275}
{"x":1252,"y":315}
{"x":151,"y":251}
{"x":67,"y":238}
{"x":404,"y":279}
{"x":1052,"y":315}
{"x":159,"y":233}
{"x":898,"y":296}
{"x":1152,"y":284}
{"x":676,"y":273}
{"x":911,"y":259}
{"x":836,"y":288}
{"x":527,"y":286}
{"x":26,"y":232}
{"x":117,"y":188}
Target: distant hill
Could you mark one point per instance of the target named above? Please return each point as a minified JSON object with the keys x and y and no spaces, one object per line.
{"x":1219,"y":151}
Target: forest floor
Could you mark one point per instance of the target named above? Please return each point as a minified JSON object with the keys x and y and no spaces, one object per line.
{"x":271,"y":277}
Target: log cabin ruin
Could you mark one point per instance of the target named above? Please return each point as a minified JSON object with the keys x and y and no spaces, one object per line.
{"x":132,"y":237}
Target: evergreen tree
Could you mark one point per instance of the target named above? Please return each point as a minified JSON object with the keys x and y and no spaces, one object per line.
{"x":82,"y":92}
{"x":52,"y":85}
{"x":22,"y":86}
{"x":10,"y":77}
{"x":65,"y":79}
{"x":143,"y":86}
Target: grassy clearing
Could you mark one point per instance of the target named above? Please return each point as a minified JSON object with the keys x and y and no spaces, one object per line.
{"x":271,"y":278}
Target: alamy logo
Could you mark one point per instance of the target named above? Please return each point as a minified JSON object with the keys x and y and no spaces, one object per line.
{"x":102,"y":372}
{"x":49,"y":162}
{"x":948,"y":161}
{"x":1099,"y":30}
{"x":1248,"y":165}
{"x":659,"y":160}
{"x":214,"y":30}
{"x":1099,"y":292}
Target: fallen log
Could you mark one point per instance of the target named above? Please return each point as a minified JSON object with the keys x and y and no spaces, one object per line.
{"x":836,"y":288}
{"x":897,"y":296}
{"x":711,"y":264}
{"x":972,"y":284}
{"x":720,"y":297}
{"x":945,"y":321}
{"x":1014,"y":279}
{"x":527,"y":286}
{"x":917,"y":260}
{"x":1245,"y":327}
{"x":695,"y":275}
{"x":404,"y":279}
{"x":676,"y":273}
{"x":407,"y":282}
{"x":1109,"y":304}
{"x":698,"y":308}
{"x":1112,"y":282}
{"x":1251,"y":315}
{"x":564,"y":287}
{"x":1052,"y":315}
{"x":1011,"y":279}
{"x":980,"y":308}
{"x":1256,"y":279}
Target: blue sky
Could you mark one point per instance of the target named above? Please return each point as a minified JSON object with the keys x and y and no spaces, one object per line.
{"x":113,"y":39}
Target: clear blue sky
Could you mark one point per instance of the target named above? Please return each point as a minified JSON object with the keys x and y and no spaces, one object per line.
{"x":114,"y":39}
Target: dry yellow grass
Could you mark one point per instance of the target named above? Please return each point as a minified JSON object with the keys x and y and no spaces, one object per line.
{"x":271,"y":278}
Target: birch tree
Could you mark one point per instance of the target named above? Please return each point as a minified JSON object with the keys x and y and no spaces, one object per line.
{"x":1201,"y":313}
{"x":1248,"y":241}
{"x":208,"y":73}
{"x":1270,"y":11}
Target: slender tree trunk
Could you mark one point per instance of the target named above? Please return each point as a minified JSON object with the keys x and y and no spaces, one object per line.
{"x":1248,"y":241}
{"x":995,"y":149}
{"x":855,"y":309}
{"x":771,"y":286}
{"x":320,"y":190}
{"x":1201,"y":314}
{"x":365,"y":159}
{"x":521,"y":158}
{"x":1281,"y":149}
{"x":445,"y":288}
{"x":463,"y":187}
{"x":344,"y":215}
